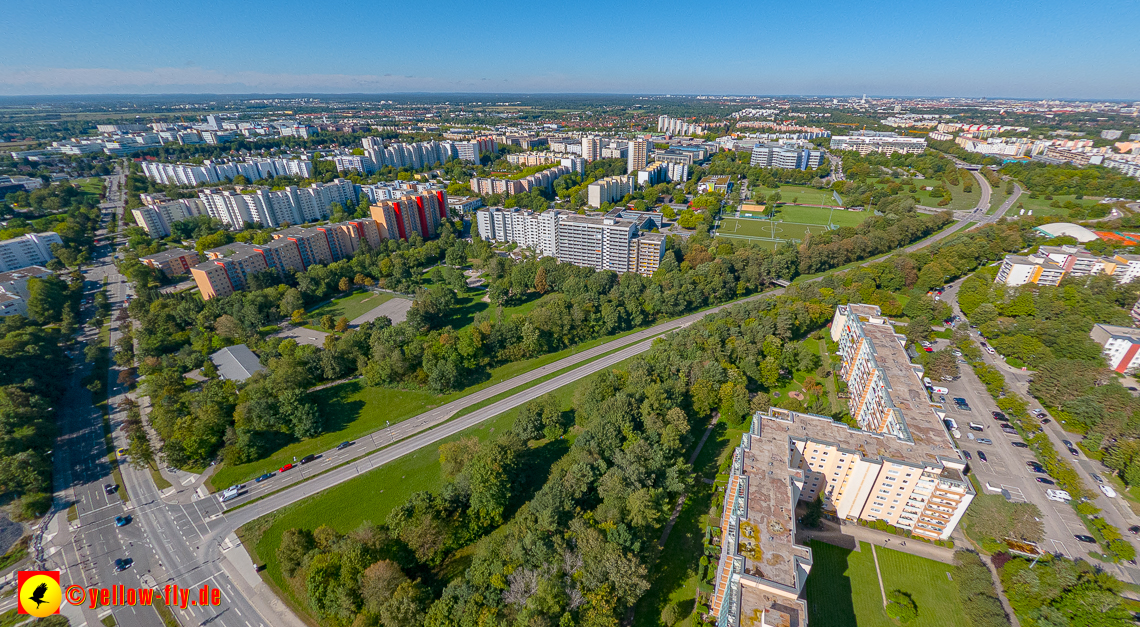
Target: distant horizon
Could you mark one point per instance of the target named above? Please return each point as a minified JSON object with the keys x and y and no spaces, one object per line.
{"x":333,"y":94}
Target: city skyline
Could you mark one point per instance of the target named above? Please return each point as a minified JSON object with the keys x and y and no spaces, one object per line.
{"x":888,"y":49}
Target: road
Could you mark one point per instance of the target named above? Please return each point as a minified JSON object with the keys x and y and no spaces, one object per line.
{"x":191,"y":543}
{"x":1007,"y":465}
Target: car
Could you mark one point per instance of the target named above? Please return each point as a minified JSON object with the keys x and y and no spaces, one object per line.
{"x":344,"y":445}
{"x":123,"y":563}
{"x":1044,"y":480}
{"x":1084,"y":538}
{"x":1019,"y":445}
{"x":942,"y":398}
{"x":928,"y":349}
{"x":263,"y":477}
{"x":985,"y":441}
{"x":285,"y":467}
{"x":123,"y":521}
{"x":1045,"y":421}
{"x":982,"y":456}
{"x":110,"y":488}
{"x":998,"y":415}
{"x":964,"y":407}
{"x":959,"y":400}
{"x":1074,"y":452}
{"x":308,"y":458}
{"x":967,"y":454}
{"x":1097,"y":478}
{"x":1067,"y":443}
{"x":1134,"y":529}
{"x":122,"y":451}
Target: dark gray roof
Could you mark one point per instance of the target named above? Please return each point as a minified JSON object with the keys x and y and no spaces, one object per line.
{"x":236,"y":363}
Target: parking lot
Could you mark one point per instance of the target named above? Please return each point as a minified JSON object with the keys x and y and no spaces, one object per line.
{"x":1005,"y":467}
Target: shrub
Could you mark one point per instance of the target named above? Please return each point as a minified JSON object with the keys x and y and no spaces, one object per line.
{"x":901,"y":607}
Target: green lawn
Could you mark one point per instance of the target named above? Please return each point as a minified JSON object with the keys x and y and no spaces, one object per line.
{"x":354,"y":409}
{"x":799,"y":194}
{"x":820,"y":215}
{"x":964,"y":201}
{"x":352,"y":307}
{"x":89,"y":186}
{"x":843,"y":589}
{"x":733,"y":227}
{"x":1040,"y":206}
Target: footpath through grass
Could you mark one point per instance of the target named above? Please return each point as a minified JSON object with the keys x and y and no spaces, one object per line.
{"x":843,"y":588}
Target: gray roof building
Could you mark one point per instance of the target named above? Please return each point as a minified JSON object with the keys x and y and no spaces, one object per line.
{"x":236,"y":363}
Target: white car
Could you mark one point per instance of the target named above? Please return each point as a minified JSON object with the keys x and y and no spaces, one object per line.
{"x":1108,"y":491}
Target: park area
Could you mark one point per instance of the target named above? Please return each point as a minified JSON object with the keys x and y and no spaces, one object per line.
{"x":799,"y":195}
{"x":788,"y":223}
{"x":352,"y":307}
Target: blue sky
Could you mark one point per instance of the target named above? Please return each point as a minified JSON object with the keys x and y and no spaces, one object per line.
{"x":1012,"y":48}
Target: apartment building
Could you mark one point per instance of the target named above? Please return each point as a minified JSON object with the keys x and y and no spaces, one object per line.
{"x":156,"y":218}
{"x":218,"y":278}
{"x":609,"y":189}
{"x":14,"y":289}
{"x":274,"y":208}
{"x":1121,"y":346}
{"x":509,"y":187}
{"x":785,"y":157}
{"x":599,"y":242}
{"x":282,"y":255}
{"x":887,"y":143}
{"x":674,"y":126}
{"x":33,"y":249}
{"x":312,"y":243}
{"x":416,"y":155}
{"x":652,"y":174}
{"x":470,"y":151}
{"x":218,"y":171}
{"x":420,"y":213}
{"x":1021,"y":269}
{"x":591,"y":148}
{"x":899,"y":466}
{"x":172,"y":262}
{"x":637,"y":155}
{"x":531,"y":159}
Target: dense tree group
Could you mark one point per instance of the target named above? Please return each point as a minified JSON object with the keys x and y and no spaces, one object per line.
{"x":1066,"y":179}
{"x":1062,"y":592}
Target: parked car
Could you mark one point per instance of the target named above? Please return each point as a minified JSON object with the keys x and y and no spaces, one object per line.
{"x":1044,"y":480}
{"x":1134,"y":529}
{"x":1074,"y":452}
{"x":928,"y":349}
{"x":1084,"y":538}
{"x":998,"y":415}
{"x":122,"y":521}
{"x":263,"y":477}
{"x":1097,"y":478}
{"x":285,"y":467}
{"x":982,"y":456}
{"x":985,"y":441}
{"x":308,"y":458}
{"x":110,"y":488}
{"x":1108,"y":491}
{"x":1019,"y":444}
{"x":967,"y":454}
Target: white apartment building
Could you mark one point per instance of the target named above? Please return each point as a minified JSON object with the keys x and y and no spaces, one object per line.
{"x":1021,"y":269}
{"x":293,"y":205}
{"x":674,"y":126}
{"x":33,"y":249}
{"x":219,"y":171}
{"x":788,"y":157}
{"x":591,"y":148}
{"x":900,"y":466}
{"x":886,"y":143}
{"x":157,"y":218}
{"x":609,"y":189}
{"x":14,"y":289}
{"x":602,"y":243}
{"x":1121,"y":346}
{"x":637,"y":155}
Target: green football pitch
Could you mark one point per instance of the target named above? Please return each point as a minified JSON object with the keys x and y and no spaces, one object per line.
{"x":789,"y":223}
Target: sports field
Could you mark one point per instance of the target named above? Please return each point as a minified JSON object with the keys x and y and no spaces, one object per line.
{"x":789,"y":223}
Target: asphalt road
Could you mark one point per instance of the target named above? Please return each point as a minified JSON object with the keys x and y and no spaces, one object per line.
{"x":1007,"y":464}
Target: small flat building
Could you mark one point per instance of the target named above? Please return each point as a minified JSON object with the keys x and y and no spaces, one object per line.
{"x":236,"y":363}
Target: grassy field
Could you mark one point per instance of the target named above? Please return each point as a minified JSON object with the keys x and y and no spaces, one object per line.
{"x":798,"y":194}
{"x":1040,"y":206}
{"x":371,"y":496}
{"x":354,"y":409}
{"x":92,"y":185}
{"x":733,"y":227}
{"x":843,"y":589}
{"x":963,"y":201}
{"x":352,"y":307}
{"x":819,"y":215}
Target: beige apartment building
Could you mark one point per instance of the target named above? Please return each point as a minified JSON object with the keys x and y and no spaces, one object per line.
{"x":899,"y":466}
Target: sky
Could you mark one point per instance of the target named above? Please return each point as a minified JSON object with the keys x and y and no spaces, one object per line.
{"x":1013,"y":48}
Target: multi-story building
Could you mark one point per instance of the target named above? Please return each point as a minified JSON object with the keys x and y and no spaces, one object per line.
{"x":218,"y":278}
{"x":609,"y":189}
{"x":638,"y":155}
{"x":509,"y":187}
{"x":354,"y":163}
{"x":312,"y":243}
{"x":172,"y":262}
{"x":14,"y":289}
{"x":786,"y":157}
{"x":674,"y":126}
{"x":591,"y":148}
{"x":218,"y":171}
{"x":720,"y":183}
{"x":1127,"y":268}
{"x":1021,"y":269}
{"x":33,"y":249}
{"x":282,"y":255}
{"x":1076,"y":158}
{"x":602,"y":243}
{"x":158,"y":217}
{"x":900,"y":466}
{"x":869,"y":141}
{"x":1121,"y":346}
{"x":530,"y":159}
{"x":421,"y":213}
{"x":652,"y":174}
{"x":678,"y":172}
{"x":1136,"y":313}
{"x":1077,"y":261}
{"x":274,"y":208}
{"x":470,"y":151}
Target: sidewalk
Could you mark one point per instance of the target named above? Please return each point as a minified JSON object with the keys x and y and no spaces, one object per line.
{"x":849,"y":536}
